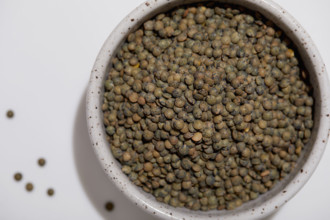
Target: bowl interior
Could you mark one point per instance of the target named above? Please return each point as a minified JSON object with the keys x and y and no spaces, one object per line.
{"x":310,"y":58}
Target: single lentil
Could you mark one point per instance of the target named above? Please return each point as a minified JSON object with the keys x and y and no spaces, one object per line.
{"x":50,"y":192}
{"x":29,"y":187}
{"x":10,"y":114}
{"x":18,"y":176}
{"x":109,"y":206}
{"x":41,"y":162}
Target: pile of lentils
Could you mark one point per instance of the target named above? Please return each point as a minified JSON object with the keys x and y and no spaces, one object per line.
{"x":206,"y":107}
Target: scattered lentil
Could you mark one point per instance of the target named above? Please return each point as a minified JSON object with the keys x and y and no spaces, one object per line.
{"x":50,"y":192}
{"x":29,"y":187}
{"x":41,"y":162}
{"x":18,"y":176}
{"x":10,"y":114}
{"x":109,"y":206}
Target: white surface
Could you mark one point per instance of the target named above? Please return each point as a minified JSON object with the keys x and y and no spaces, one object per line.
{"x":47,"y":49}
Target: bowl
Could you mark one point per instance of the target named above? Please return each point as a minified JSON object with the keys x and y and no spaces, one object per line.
{"x":265,"y":204}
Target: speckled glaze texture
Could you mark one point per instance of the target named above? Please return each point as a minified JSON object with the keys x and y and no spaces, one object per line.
{"x":265,"y":204}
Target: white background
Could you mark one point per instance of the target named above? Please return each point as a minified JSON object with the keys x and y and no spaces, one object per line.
{"x":47,"y":49}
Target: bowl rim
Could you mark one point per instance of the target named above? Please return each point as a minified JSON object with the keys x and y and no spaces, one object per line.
{"x":146,"y":201}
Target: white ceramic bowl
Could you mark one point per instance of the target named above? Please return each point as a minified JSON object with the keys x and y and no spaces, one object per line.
{"x":268,"y":202}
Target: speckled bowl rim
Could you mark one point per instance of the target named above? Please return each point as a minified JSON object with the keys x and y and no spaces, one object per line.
{"x":267,"y":203}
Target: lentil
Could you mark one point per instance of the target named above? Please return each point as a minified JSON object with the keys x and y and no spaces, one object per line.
{"x":207,"y":107}
{"x":29,"y":187}
{"x":109,"y":206}
{"x":18,"y":176}
{"x":50,"y":192}
{"x":41,"y":162}
{"x":10,"y":114}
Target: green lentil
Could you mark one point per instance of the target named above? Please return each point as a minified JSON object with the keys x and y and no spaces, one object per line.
{"x":148,"y":135}
{"x":50,"y":192}
{"x":178,"y":124}
{"x":198,"y":124}
{"x":109,"y":206}
{"x":207,"y":107}
{"x":169,"y":113}
{"x":41,"y":162}
{"x":10,"y":114}
{"x":29,"y":187}
{"x":18,"y":176}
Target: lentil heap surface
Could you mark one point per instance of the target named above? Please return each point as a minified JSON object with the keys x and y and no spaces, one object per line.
{"x":207,"y":108}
